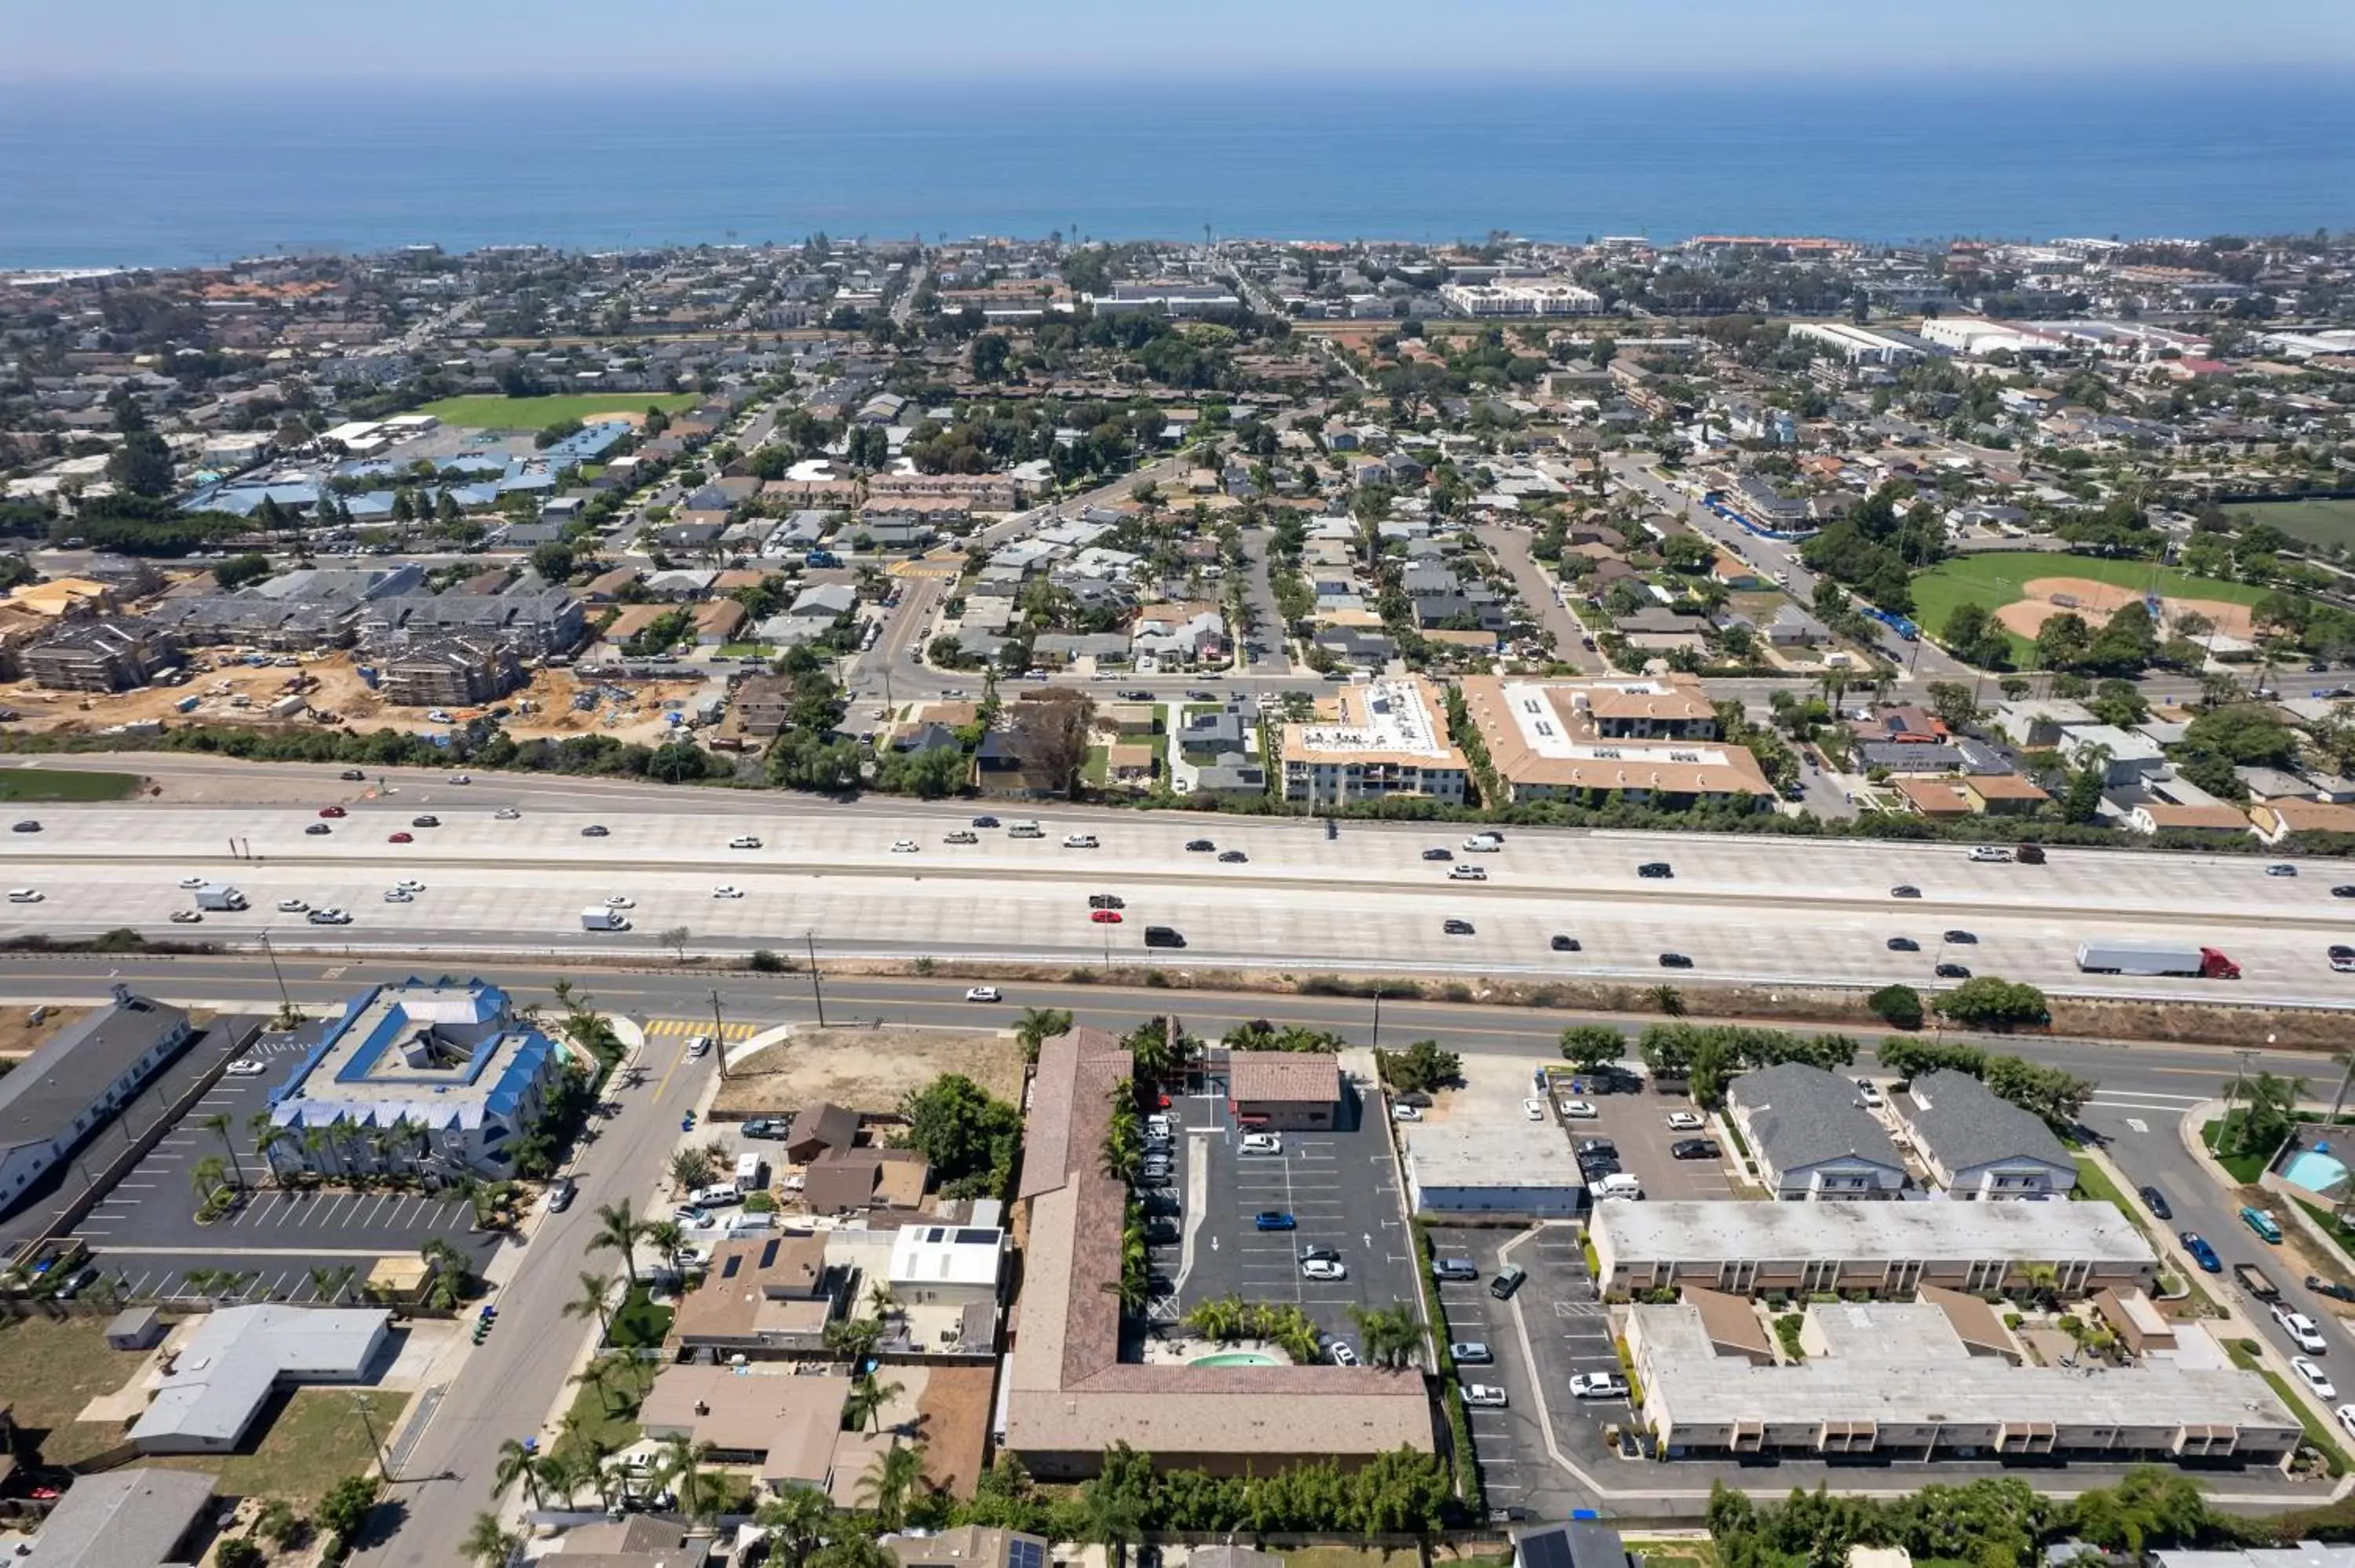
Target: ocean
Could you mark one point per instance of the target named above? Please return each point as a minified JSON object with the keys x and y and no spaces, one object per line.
{"x":160,"y":178}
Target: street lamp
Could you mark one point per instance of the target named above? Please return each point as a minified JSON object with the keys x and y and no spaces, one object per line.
{"x":359,"y":1404}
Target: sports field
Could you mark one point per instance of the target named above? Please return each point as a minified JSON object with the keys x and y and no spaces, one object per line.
{"x":539,"y":413}
{"x":2004,"y":577}
{"x":2314,"y":521}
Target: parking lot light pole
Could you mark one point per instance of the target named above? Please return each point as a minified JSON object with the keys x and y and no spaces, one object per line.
{"x":1378,"y":1018}
{"x":285,"y":1002}
{"x":816,"y":990}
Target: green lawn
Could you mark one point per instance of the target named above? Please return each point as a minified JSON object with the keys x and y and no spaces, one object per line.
{"x":539,"y":413}
{"x":2094,"y":1186}
{"x":65,"y":784}
{"x":610,"y":1414}
{"x":638,"y":1322}
{"x":2245,"y":1168}
{"x":2315,"y":522}
{"x":1098,"y":766}
{"x":308,"y":1443}
{"x":1994,"y":580}
{"x":49,"y":1371}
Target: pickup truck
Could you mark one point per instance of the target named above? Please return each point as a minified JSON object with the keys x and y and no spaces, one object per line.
{"x":2253,"y":1279}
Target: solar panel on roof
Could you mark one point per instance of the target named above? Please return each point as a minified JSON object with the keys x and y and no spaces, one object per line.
{"x":1025,"y":1555}
{"x":976,"y":1238}
{"x":728,"y":1270}
{"x":769,"y":1253}
{"x":1545,"y":1549}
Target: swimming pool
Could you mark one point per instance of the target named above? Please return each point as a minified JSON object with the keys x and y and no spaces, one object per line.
{"x":1238,"y":1359}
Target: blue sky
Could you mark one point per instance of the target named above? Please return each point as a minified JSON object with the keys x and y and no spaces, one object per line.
{"x":785,"y":42}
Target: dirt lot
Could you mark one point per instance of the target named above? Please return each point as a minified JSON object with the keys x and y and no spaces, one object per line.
{"x":2096,"y":602}
{"x":20,"y":1037}
{"x":953,"y":1415}
{"x":543,"y":707}
{"x":867,"y":1069}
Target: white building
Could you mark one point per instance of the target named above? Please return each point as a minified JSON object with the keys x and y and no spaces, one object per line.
{"x":947,"y":1265}
{"x":1390,"y":739}
{"x":1531,"y":299}
{"x":220,"y":1379}
{"x":75,"y":1083}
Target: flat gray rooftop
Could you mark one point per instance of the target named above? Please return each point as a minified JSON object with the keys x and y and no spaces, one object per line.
{"x":1724,"y":1229}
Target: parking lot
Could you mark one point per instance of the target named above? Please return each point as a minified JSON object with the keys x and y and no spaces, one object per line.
{"x":1341,"y":1188}
{"x":145,"y":1230}
{"x":1553,"y":1327}
{"x":1635,"y":1117}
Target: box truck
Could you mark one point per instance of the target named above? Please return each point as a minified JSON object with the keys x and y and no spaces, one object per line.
{"x":2101,"y":957}
{"x":600,"y":919}
{"x":219,"y":895}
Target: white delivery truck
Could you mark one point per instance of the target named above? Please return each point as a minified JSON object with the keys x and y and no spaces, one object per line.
{"x":220,"y":896}
{"x":751,"y":1172}
{"x":598,"y":917}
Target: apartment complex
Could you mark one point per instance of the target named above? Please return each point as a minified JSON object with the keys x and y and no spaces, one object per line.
{"x":1647,"y":741}
{"x":1532,"y":298}
{"x":1750,"y":1249}
{"x":1390,"y":737}
{"x":457,"y":672}
{"x":77,"y":1080}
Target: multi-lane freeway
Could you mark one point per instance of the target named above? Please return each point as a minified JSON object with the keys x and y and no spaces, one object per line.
{"x":883,"y":880}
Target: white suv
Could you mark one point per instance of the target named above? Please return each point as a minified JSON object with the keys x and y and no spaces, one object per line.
{"x":1263,"y":1143}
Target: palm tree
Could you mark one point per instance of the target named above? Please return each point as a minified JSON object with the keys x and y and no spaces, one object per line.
{"x":517,"y":1463}
{"x":208,"y":1177}
{"x":620,"y":1231}
{"x":1667,"y":998}
{"x":665,"y":1237}
{"x":867,"y":1396}
{"x":595,"y":1299}
{"x":328,"y":1284}
{"x":681,"y":1461}
{"x":1112,"y":1521}
{"x":449,"y":1268}
{"x":886,"y":1485}
{"x":853,"y":1339}
{"x":490,"y":1544}
{"x":793,"y":1519}
{"x":598,"y":1374}
{"x":1037,"y":1026}
{"x":267,"y":1136}
{"x":1388,"y":1337}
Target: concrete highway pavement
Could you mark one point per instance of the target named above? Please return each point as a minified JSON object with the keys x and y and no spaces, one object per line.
{"x":1767,"y":910}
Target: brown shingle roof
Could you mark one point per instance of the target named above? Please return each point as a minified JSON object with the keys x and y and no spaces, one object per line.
{"x":1293,"y":1078}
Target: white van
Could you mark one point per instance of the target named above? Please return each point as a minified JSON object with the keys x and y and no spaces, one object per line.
{"x":1619,"y":1184}
{"x":751,"y":1173}
{"x":24,"y":896}
{"x":1484,"y":843}
{"x":1025,"y":831}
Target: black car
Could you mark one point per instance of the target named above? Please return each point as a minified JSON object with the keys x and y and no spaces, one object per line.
{"x":318,"y":828}
{"x":1656,"y":868}
{"x":983,"y":823}
{"x":1200,"y":846}
{"x":1597,"y":1146}
{"x":1107,"y":901}
{"x":353,"y":776}
{"x":1963,"y":938}
{"x":1905,"y":890}
{"x":1693,"y":1149}
{"x":596,"y":830}
{"x":2329,"y":1288}
{"x":2344,"y":890}
{"x":2156,"y":1202}
{"x":1675,"y":961}
{"x":1563,"y":943}
{"x":1952,"y":971}
{"x":424,"y":821}
{"x":1903,"y":945}
{"x":1457,"y":928}
{"x":764,"y":1126}
{"x":1232,"y":857}
{"x":1438,"y":854}
{"x":1594,"y":1167}
{"x":27,"y":826}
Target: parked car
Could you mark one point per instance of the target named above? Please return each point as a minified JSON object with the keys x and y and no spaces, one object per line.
{"x":1275,"y":1220}
{"x":765,"y":1126}
{"x":246,"y":1067}
{"x":2330,"y":1287}
{"x":1598,"y":1385}
{"x":1692,"y":1149}
{"x":1263,"y":1143}
{"x":1406,"y":1113}
{"x":1324,"y":1269}
{"x":1344,"y":1353}
{"x":1868,"y":1095}
{"x":2156,"y":1202}
{"x":1485,"y":1397}
{"x":1456,"y":1269}
{"x":2202,"y":1253}
{"x":1687,"y":1121}
{"x":1578,"y":1110}
{"x":1533,"y":1110}
{"x":2303,"y":1331}
{"x":1470,"y":1353}
{"x":561,"y":1194}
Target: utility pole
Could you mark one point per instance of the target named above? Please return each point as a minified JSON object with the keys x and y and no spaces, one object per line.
{"x":718,"y":1033}
{"x":1378,"y":1018}
{"x":360,"y":1404}
{"x":816,"y":990}
{"x":285,"y":1002}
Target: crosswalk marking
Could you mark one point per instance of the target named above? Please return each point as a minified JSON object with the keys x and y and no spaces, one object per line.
{"x":663,"y":1028}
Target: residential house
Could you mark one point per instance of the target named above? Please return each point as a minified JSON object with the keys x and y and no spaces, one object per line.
{"x":1812,"y":1140}
{"x":1978,"y":1145}
{"x":819,"y":1128}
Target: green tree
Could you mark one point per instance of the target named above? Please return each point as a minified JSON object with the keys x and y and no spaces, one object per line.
{"x":346,"y":1508}
{"x":594,"y":1303}
{"x":2269,"y":1105}
{"x":1389,"y":1336}
{"x":490,"y":1544}
{"x":1592,"y":1047}
{"x":1422,"y":1067}
{"x":1037,"y":1025}
{"x":618,"y":1230}
{"x":553,"y":562}
{"x":794,"y":1518}
{"x":237,"y":1553}
{"x":1985,"y":1002}
{"x":890,"y":1480}
{"x":867,"y":1401}
{"x":969,"y":1138}
{"x":1899,"y":1006}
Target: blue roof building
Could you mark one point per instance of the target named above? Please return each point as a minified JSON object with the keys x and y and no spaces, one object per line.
{"x":422,"y":1076}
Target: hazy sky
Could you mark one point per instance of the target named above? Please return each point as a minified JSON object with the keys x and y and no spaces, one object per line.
{"x":535,"y":44}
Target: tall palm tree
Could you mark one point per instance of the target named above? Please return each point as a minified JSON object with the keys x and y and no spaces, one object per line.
{"x":618,"y":1230}
{"x":208,"y":1177}
{"x":517,"y":1463}
{"x":681,"y":1464}
{"x":220,"y":1122}
{"x":1113,"y":1518}
{"x":890,"y":1480}
{"x":328,"y":1284}
{"x":853,"y":1339}
{"x":490,"y":1544}
{"x":595,"y":1301}
{"x":1389,"y":1336}
{"x":665,"y":1237}
{"x":598,"y":1374}
{"x":793,"y":1519}
{"x":1037,"y":1026}
{"x":267,"y":1136}
{"x":865,"y":1403}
